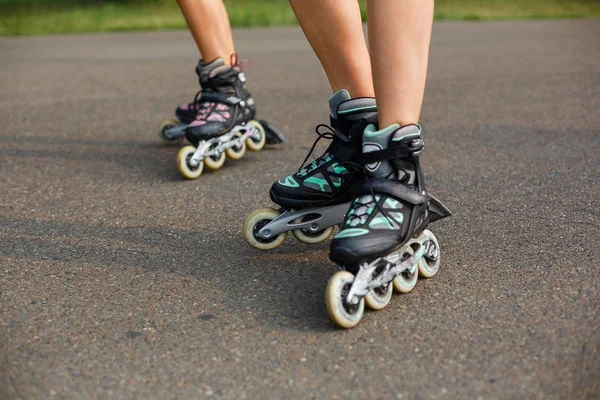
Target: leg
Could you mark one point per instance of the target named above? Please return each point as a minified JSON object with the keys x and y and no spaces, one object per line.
{"x":334,"y":30}
{"x":399,"y":35}
{"x":209,"y":24}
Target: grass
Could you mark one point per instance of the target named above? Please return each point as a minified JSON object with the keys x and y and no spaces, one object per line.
{"x":31,"y":17}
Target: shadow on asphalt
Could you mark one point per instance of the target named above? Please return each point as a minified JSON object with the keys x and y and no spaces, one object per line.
{"x":293,"y":283}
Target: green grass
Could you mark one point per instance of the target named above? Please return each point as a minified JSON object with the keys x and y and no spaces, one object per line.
{"x":31,"y":17}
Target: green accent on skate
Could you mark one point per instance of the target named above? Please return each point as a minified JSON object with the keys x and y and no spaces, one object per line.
{"x":337,"y":182}
{"x":341,"y":90}
{"x":370,"y":130}
{"x":351,"y":232}
{"x":381,"y":221}
{"x":391,"y":203}
{"x":289,"y":182}
{"x":398,"y":216}
{"x":337,"y":168}
{"x":322,"y":183}
{"x":374,"y":108}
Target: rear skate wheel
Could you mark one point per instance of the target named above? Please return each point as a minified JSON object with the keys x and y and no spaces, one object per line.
{"x":236,"y":152}
{"x":306,"y":236}
{"x":254,"y":222}
{"x":168,"y":124}
{"x":214,"y":162}
{"x":342,"y":314}
{"x":183,"y":163}
{"x":379,"y":297}
{"x":430,"y":262}
{"x":406,"y":281}
{"x":256,"y":144}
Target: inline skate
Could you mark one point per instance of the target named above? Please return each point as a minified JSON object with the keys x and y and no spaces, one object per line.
{"x":384,"y":243}
{"x":224,"y":123}
{"x":172,"y":130}
{"x":315,"y":198}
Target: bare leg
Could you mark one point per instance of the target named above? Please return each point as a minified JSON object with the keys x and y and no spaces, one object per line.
{"x":209,"y":24}
{"x":399,"y":36}
{"x":334,"y":30}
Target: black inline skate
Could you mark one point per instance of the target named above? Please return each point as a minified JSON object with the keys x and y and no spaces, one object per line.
{"x":224,"y":122}
{"x":384,"y":243}
{"x":315,"y":198}
{"x":172,"y":130}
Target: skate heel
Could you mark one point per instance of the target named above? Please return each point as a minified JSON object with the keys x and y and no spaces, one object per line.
{"x":437,"y":210}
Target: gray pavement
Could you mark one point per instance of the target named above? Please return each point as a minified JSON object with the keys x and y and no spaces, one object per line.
{"x":118,"y":279}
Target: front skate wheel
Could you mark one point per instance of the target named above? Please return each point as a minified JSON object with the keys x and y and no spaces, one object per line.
{"x":216,"y":161}
{"x":430,"y":262}
{"x":254,"y":222}
{"x":342,"y":314}
{"x":406,"y":281}
{"x":236,"y":152}
{"x":183,"y":163}
{"x":306,"y":236}
{"x":168,"y":124}
{"x":379,"y":297}
{"x":256,"y":144}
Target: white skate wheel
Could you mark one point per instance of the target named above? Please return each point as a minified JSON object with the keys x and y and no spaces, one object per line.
{"x":254,"y":222}
{"x":342,"y":314}
{"x":166,"y":124}
{"x":406,"y":281}
{"x":256,"y":144}
{"x":308,"y":237}
{"x":429,"y":266}
{"x":379,"y":297}
{"x":183,"y":158}
{"x":236,"y":152}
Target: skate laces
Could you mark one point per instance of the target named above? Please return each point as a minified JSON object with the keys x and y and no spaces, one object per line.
{"x":330,"y":134}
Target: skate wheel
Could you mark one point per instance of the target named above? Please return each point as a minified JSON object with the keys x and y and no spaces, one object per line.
{"x":342,"y":314}
{"x":306,"y":236}
{"x":183,"y":158}
{"x":167,"y":124}
{"x":236,"y":152}
{"x":254,"y":222}
{"x":430,"y":262}
{"x":214,"y":162}
{"x":379,"y":297}
{"x":257,"y":144}
{"x":406,"y":281}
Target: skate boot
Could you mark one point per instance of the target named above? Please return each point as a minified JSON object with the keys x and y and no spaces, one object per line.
{"x":172,"y":130}
{"x":384,"y":243}
{"x":224,"y":124}
{"x":315,"y":198}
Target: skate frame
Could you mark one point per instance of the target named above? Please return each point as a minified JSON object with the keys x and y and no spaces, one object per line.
{"x":364,"y":280}
{"x":224,"y":142}
{"x":325,"y":217}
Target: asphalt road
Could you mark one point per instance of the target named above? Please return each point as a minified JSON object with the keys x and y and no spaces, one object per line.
{"x":118,"y":279}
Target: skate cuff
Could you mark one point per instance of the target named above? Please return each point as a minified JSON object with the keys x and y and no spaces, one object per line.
{"x":395,"y":189}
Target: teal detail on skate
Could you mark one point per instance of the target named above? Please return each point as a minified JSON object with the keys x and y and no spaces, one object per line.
{"x":325,"y":158}
{"x":338,"y":169}
{"x":371,"y":131}
{"x":398,"y":216}
{"x":351,"y":232}
{"x":320,"y":182}
{"x":337,"y":182}
{"x":289,"y":182}
{"x":391,"y":203}
{"x":341,"y":90}
{"x":382,"y":222}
